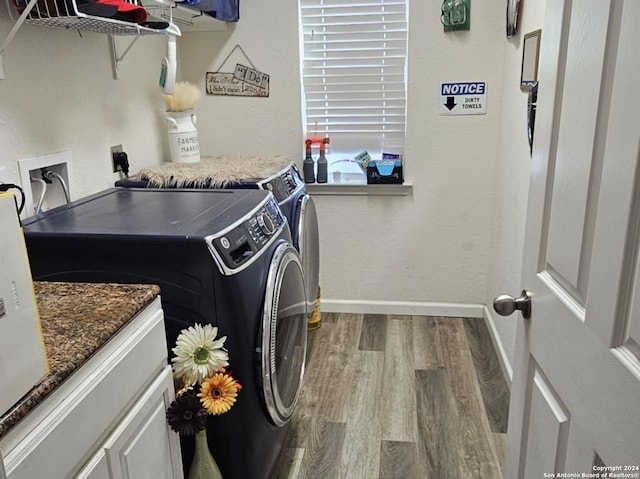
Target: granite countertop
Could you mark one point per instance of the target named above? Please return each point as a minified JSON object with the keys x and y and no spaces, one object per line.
{"x":77,"y":319}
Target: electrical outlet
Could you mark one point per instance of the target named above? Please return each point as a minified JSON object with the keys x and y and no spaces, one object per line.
{"x":115,"y":149}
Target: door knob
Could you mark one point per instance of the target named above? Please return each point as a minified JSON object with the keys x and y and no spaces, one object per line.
{"x":505,"y":305}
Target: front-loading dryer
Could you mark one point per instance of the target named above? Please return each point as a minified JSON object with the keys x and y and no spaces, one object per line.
{"x":222,"y":257}
{"x":298,"y":206}
{"x":281,"y":177}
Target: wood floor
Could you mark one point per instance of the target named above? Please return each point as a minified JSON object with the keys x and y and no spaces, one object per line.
{"x":398,"y":397}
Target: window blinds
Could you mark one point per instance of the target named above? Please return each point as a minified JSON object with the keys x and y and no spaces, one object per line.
{"x":354,"y":72}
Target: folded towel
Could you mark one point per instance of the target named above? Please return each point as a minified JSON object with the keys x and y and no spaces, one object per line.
{"x":225,"y":10}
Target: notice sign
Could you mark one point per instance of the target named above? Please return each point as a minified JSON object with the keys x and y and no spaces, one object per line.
{"x":463,"y":98}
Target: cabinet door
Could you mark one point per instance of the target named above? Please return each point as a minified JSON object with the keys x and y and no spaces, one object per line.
{"x":81,"y":412}
{"x":142,"y":446}
{"x":96,"y":468}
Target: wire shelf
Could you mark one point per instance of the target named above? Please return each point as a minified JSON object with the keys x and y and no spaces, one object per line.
{"x":93,"y":24}
{"x":65,"y":15}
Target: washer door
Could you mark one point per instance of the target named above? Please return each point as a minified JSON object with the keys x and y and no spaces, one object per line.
{"x":307,"y":241}
{"x":284,"y":334}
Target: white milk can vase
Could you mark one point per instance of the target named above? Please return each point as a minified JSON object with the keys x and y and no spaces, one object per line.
{"x":183,"y":137}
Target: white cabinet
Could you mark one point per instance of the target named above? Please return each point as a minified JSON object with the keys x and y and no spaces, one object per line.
{"x":108,"y":419}
{"x":140,"y":446}
{"x":96,"y":468}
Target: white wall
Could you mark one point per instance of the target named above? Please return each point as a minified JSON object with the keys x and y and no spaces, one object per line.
{"x":456,"y":238}
{"x":430,"y":246}
{"x":511,"y":182}
{"x":268,"y":34}
{"x":60,"y":94}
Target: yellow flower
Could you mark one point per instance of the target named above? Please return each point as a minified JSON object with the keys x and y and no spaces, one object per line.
{"x":218,"y":393}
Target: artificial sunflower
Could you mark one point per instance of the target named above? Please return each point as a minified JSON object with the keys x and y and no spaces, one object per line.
{"x":186,"y":415}
{"x":198,"y":354}
{"x":218,"y":393}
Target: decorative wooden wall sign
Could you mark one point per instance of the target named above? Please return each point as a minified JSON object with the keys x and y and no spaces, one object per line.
{"x":243,"y":81}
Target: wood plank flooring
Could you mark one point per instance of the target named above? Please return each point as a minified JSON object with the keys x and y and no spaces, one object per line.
{"x":393,"y":397}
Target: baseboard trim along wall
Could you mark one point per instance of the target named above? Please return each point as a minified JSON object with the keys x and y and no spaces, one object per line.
{"x":507,"y":368}
{"x":457,"y":310}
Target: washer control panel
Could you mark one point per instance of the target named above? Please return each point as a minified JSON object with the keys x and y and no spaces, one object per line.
{"x":242,"y":243}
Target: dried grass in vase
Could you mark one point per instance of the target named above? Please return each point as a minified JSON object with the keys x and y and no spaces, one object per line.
{"x":185,"y":95}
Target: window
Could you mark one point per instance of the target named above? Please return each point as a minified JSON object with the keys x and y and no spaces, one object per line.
{"x":354,"y":74}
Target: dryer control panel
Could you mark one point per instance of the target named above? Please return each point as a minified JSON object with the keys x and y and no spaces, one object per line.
{"x":285,"y":184}
{"x":239,"y":246}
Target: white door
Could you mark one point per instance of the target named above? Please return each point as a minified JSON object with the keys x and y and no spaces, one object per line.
{"x":575,"y":403}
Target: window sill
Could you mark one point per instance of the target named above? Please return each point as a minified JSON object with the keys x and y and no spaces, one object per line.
{"x":346,"y":189}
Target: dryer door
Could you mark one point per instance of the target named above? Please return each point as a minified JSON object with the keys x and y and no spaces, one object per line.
{"x":307,"y":240}
{"x":284,"y":334}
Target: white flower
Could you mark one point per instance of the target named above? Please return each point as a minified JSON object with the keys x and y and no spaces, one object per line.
{"x":198,"y":355}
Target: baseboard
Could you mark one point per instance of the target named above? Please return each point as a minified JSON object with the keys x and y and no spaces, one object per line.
{"x":507,"y":368}
{"x":458,"y":310}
